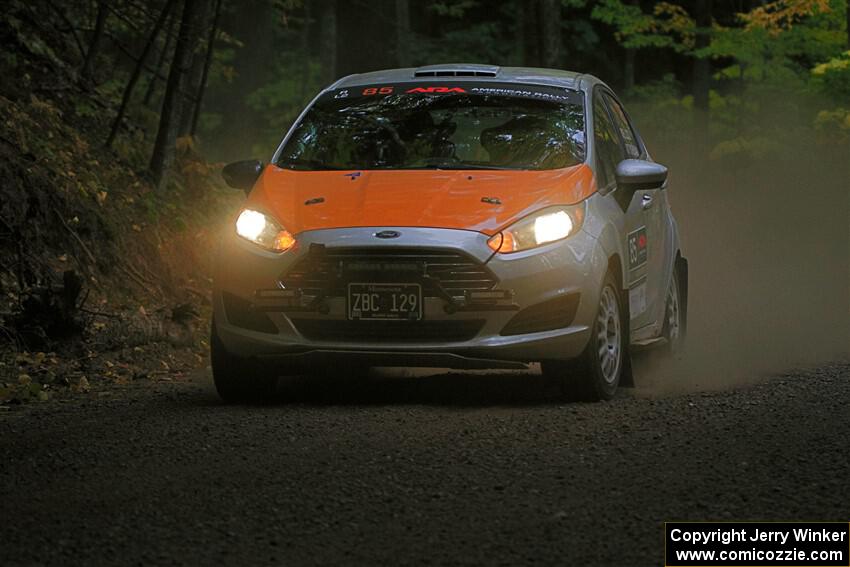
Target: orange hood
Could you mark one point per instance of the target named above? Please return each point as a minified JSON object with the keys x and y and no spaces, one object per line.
{"x":429,"y":198}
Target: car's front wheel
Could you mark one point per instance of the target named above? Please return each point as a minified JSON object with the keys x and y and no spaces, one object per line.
{"x":596,"y":373}
{"x":236,"y":378}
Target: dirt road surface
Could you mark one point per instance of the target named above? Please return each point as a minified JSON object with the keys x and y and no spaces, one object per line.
{"x":451,"y":469}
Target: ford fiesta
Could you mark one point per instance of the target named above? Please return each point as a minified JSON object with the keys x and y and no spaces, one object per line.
{"x":456,"y":216}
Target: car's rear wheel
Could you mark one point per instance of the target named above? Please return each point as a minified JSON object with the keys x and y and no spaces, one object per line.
{"x":236,"y":378}
{"x":674,"y":315}
{"x":596,"y":373}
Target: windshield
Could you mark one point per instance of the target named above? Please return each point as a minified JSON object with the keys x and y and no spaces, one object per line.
{"x":445,"y":126}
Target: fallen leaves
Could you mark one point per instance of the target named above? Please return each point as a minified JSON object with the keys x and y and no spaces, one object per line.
{"x":24,"y":389}
{"x":28,"y":377}
{"x":82,"y":385}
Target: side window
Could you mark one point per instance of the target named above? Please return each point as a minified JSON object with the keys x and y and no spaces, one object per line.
{"x":626,"y":130}
{"x":609,"y":152}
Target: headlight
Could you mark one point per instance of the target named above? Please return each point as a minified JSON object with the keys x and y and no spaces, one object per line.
{"x":263,"y":231}
{"x":542,"y":227}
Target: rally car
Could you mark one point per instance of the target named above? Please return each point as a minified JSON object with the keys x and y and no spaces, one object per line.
{"x":460,"y":216}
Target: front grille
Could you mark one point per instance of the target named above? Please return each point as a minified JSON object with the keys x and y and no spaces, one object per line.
{"x":389,"y":331}
{"x":327,"y":272}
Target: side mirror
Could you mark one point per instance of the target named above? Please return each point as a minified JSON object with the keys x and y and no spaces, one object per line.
{"x":242,"y":174}
{"x":638,"y":174}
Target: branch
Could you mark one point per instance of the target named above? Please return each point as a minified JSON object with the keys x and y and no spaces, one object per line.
{"x":128,"y":90}
{"x":76,"y":237}
{"x":207,"y":63}
{"x":64,"y":17}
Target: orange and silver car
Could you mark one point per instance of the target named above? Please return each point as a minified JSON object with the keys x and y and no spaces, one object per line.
{"x":460,"y":216}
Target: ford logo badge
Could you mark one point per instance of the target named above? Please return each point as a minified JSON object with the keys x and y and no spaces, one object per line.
{"x":387,"y":234}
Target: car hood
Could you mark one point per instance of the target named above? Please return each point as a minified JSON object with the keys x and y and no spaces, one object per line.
{"x":481,"y":200}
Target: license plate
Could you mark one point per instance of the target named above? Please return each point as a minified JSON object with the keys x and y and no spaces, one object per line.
{"x":387,"y":301}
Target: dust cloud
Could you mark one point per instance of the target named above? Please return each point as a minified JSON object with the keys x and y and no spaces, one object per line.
{"x":768,"y":242}
{"x":768,"y":245}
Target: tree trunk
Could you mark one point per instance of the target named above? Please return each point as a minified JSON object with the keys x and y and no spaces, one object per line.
{"x":163,"y":57}
{"x":402,"y":36}
{"x":529,"y":38}
{"x":550,"y":27}
{"x":519,"y":34}
{"x":629,"y":70}
{"x":137,"y":71}
{"x":702,"y":65}
{"x":362,"y":47}
{"x":192,"y":81}
{"x":207,"y":64}
{"x":327,"y":55}
{"x":304,"y":71}
{"x":96,"y":39}
{"x":256,"y":27}
{"x":166,"y":135}
{"x":629,"y":62}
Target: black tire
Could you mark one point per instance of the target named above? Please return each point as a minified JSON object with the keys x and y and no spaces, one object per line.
{"x":588,"y":378}
{"x":239,"y":379}
{"x":674,"y":328}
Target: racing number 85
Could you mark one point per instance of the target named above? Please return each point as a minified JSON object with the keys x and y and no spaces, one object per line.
{"x":377,"y":90}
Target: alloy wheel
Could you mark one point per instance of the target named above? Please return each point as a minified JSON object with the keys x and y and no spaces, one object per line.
{"x":608,"y":334}
{"x":674,"y":325}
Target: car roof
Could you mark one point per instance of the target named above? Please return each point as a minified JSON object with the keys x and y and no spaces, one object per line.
{"x":473,"y":72}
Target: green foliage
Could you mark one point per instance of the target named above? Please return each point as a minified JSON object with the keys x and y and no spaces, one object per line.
{"x":282,"y":99}
{"x":662,"y":113}
{"x":453,"y":8}
{"x":833,"y":79}
{"x":669,"y":26}
{"x":778,"y":55}
{"x":477,"y":43}
{"x":834,"y":76}
{"x":833,"y":126}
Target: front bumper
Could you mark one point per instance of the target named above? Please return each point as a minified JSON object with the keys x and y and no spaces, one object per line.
{"x":571,"y":268}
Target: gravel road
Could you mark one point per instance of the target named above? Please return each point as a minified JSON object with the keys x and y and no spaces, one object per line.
{"x":451,"y":469}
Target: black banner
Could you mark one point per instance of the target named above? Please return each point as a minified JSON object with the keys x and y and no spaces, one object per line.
{"x":757,"y":544}
{"x":453,"y":86}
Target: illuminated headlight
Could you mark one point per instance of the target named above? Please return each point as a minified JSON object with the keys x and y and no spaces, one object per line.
{"x":542,"y":227}
{"x":263,"y":231}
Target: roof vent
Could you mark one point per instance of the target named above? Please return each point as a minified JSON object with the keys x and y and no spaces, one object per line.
{"x":457,"y":71}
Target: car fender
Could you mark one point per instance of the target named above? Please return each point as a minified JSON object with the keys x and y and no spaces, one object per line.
{"x":670,"y":251}
{"x":601,"y":223}
{"x":672,"y":247}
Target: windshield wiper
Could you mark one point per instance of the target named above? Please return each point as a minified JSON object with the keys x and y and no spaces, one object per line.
{"x":307,"y":164}
{"x":458,"y":166}
{"x":475,"y":166}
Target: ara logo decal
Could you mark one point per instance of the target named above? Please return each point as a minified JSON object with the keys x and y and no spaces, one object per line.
{"x":436,"y":90}
{"x":637,"y":248}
